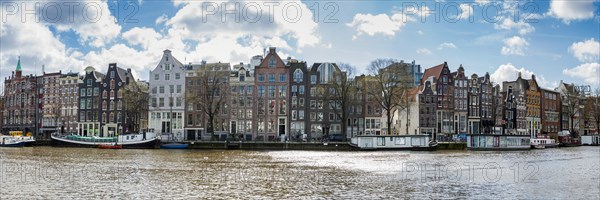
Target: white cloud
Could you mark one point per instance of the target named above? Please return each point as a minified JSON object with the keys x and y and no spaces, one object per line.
{"x":385,"y":24}
{"x":514,"y":46}
{"x":376,"y":24}
{"x":568,"y":11}
{"x":508,"y":72}
{"x":37,"y":46}
{"x":295,"y":22}
{"x":589,"y":72}
{"x":447,"y":45}
{"x":91,"y":21}
{"x":161,"y":19}
{"x":482,"y":2}
{"x":508,"y":24}
{"x":423,"y":51}
{"x":141,"y":36}
{"x":95,"y":25}
{"x":466,"y":11}
{"x":586,"y":51}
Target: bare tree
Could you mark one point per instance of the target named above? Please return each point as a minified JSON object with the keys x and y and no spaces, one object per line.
{"x":389,"y":85}
{"x":135,"y":105}
{"x":592,"y":108}
{"x":572,"y":102}
{"x":211,"y":96}
{"x":341,"y":94}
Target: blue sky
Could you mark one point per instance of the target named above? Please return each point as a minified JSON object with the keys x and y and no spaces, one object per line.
{"x":556,"y":40}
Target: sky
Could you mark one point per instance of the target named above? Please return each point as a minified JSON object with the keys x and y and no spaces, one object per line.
{"x":555,"y":40}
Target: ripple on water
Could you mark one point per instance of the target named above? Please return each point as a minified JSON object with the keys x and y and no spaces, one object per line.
{"x":67,"y":173}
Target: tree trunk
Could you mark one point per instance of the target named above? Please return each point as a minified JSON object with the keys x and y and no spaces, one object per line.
{"x":211,"y":128}
{"x":407,"y":113}
{"x":344,"y":124}
{"x":389,"y":122}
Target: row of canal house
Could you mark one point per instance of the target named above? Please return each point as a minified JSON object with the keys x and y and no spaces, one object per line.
{"x":101,"y":102}
{"x":272,"y":97}
{"x":269,"y":98}
{"x":451,"y":104}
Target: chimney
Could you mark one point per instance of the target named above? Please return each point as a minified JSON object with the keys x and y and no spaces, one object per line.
{"x":533,"y":76}
{"x":271,"y":49}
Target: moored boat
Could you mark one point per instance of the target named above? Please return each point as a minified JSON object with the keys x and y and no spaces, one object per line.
{"x":174,"y":146}
{"x":542,"y":143}
{"x":110,"y":146}
{"x":27,"y":139}
{"x":392,"y":142}
{"x":9,"y":141}
{"x":495,"y":142}
{"x":127,"y":141}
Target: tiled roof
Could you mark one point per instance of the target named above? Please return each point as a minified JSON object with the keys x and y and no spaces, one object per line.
{"x":433,"y":71}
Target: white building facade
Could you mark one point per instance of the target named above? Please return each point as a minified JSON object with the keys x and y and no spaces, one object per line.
{"x":167,"y":97}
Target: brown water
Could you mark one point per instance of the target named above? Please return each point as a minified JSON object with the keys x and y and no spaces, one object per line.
{"x":67,"y":173}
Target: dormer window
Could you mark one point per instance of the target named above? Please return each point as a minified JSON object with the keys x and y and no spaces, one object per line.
{"x":167,"y":58}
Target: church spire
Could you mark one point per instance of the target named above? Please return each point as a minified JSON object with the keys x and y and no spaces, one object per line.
{"x":19,"y":64}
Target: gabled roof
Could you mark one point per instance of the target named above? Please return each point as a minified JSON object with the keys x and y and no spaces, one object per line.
{"x":124,"y":74}
{"x":435,"y":71}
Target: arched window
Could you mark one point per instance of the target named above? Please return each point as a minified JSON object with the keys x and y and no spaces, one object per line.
{"x":298,"y":76}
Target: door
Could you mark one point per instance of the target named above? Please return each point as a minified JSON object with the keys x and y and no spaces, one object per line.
{"x":281,"y":126}
{"x":166,"y":127}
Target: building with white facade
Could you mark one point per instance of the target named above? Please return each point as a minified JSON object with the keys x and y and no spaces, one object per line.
{"x":167,"y":96}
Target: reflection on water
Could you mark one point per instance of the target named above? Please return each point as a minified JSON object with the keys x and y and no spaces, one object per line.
{"x":59,"y":173}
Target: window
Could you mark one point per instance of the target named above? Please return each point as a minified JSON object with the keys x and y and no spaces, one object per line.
{"x":161,"y":89}
{"x":282,"y":91}
{"x":301,"y":89}
{"x":261,"y":78}
{"x":156,"y":77}
{"x":82,"y":92}
{"x":272,"y":91}
{"x":177,"y":76}
{"x":178,"y":88}
{"x":89,"y":82}
{"x":154,"y":90}
{"x":153,"y":102}
{"x":261,"y":91}
{"x":271,"y":78}
{"x":171,"y":88}
{"x":282,"y":78}
{"x":112,"y":74}
{"x":161,"y":102}
{"x":313,"y":79}
{"x":167,"y":77}
{"x":298,"y":76}
{"x":271,"y":63}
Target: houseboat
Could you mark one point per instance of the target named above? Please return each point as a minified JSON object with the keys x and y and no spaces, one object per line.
{"x":392,"y":142}
{"x":593,"y":140}
{"x":9,"y":141}
{"x":498,"y":142}
{"x":542,"y":143}
{"x":27,"y":139}
{"x":128,"y":141}
{"x":565,"y":140}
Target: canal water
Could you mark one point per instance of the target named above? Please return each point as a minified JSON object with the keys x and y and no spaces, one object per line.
{"x":68,"y":173}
